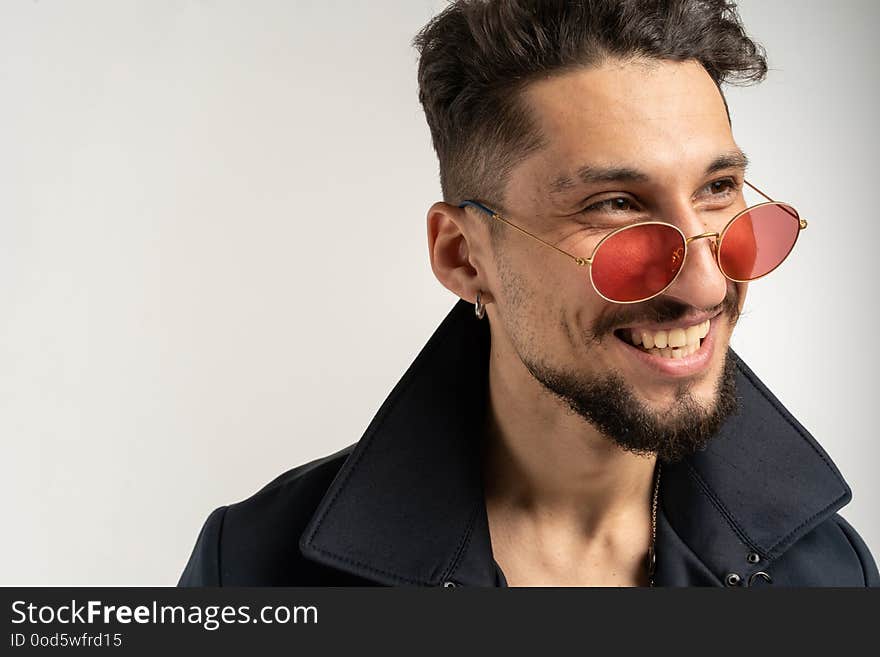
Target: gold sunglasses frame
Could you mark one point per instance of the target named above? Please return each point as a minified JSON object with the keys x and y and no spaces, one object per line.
{"x":717,"y":239}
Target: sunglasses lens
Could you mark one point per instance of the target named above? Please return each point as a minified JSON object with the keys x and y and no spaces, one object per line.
{"x":638,"y":262}
{"x":758,"y":241}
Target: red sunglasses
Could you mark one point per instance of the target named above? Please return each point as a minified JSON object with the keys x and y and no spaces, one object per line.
{"x":637,"y":262}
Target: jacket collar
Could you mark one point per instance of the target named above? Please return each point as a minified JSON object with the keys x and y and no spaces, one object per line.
{"x":407,"y":506}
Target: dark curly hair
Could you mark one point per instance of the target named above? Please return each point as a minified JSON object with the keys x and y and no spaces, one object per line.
{"x":477,"y":55}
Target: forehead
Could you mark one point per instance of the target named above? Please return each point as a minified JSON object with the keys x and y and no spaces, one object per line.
{"x":664,"y":118}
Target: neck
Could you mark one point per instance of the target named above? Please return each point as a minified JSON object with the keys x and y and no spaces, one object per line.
{"x":545,"y":463}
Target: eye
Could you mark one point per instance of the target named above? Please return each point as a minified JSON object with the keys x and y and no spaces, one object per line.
{"x":616,"y":204}
{"x":722,"y":188}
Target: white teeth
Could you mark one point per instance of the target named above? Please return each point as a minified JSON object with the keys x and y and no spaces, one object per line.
{"x":677,"y":338}
{"x":670,"y":352}
{"x":692,"y":334}
{"x":704,"y":329}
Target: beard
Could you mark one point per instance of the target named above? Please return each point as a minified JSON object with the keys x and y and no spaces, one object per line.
{"x":612,"y":406}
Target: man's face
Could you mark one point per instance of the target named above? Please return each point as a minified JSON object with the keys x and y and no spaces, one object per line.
{"x":666,"y":121}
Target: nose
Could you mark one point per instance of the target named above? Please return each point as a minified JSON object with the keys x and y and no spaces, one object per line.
{"x":700,"y":282}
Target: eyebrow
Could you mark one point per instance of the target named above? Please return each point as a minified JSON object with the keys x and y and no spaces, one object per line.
{"x":589,"y":174}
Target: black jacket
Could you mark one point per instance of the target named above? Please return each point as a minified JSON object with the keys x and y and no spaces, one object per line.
{"x":404,"y":505}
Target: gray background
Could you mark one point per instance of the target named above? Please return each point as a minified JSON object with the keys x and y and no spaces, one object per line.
{"x":214,"y":267}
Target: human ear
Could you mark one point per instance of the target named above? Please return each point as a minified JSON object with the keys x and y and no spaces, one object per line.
{"x":456,"y":252}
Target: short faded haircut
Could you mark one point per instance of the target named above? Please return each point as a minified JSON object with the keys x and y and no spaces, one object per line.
{"x":477,"y":56}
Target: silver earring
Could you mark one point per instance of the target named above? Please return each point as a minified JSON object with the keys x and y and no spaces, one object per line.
{"x":479,"y":308}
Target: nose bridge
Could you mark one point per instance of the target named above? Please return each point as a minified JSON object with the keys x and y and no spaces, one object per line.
{"x":713,"y":235}
{"x":713,"y":240}
{"x":701,"y":282}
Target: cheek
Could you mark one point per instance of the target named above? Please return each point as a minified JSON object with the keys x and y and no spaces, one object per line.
{"x":539,"y":283}
{"x":585,"y":314}
{"x":509,"y":274}
{"x":534,"y":280}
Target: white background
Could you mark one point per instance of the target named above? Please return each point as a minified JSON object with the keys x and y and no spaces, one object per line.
{"x":214,"y":267}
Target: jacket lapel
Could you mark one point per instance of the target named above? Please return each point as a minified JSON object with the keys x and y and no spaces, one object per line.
{"x":407,"y":507}
{"x":760,"y":485}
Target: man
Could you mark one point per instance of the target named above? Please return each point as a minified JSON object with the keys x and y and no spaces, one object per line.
{"x":590,"y":425}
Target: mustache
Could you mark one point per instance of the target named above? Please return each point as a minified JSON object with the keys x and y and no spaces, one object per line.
{"x":661,"y":310}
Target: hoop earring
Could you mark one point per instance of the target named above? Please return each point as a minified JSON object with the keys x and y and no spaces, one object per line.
{"x":479,"y":308}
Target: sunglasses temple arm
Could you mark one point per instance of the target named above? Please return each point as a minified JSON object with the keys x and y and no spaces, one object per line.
{"x":759,"y":191}
{"x":580,"y":261}
{"x":803,"y":224}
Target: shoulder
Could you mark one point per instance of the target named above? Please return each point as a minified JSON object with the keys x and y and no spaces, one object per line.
{"x":255,"y":542}
{"x":832,"y":554}
{"x":860,"y":549}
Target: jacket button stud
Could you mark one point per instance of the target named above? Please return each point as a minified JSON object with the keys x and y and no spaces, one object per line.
{"x":732,"y":579}
{"x":762,"y":575}
{"x":449,"y":585}
{"x":753,"y":557}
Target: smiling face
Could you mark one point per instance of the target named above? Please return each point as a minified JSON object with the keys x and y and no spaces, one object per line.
{"x":624,"y":142}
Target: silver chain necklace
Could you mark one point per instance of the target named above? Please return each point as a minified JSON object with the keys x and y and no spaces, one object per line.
{"x":652,"y":554}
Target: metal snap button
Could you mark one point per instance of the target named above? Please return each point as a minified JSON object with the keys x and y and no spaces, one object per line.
{"x":761,"y":574}
{"x":449,"y":585}
{"x":753,"y":557}
{"x":732,"y":579}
